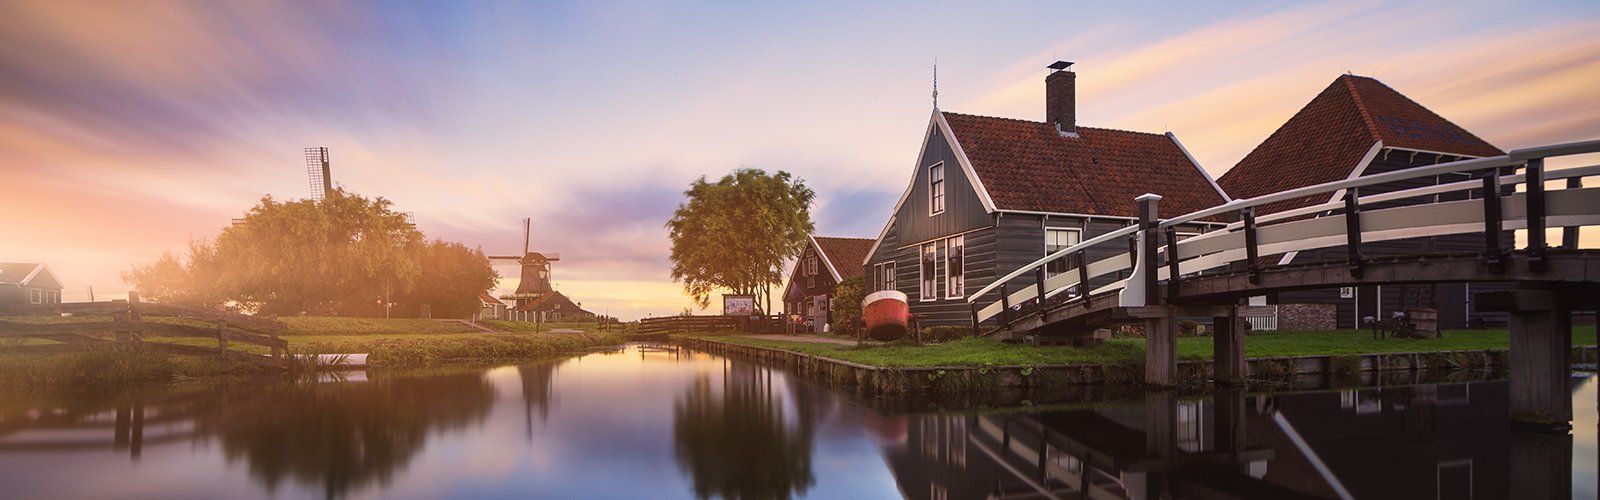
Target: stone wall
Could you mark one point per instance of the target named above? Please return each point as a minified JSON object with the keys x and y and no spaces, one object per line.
{"x":1307,"y":317}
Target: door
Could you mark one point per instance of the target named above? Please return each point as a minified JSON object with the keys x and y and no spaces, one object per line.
{"x":819,"y":312}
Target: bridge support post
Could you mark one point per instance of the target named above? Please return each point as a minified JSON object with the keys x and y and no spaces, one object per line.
{"x":1541,"y":338}
{"x":1541,"y":464}
{"x":1227,"y":362}
{"x":1161,"y":350}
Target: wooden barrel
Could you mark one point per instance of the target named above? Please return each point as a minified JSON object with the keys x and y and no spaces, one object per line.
{"x":1424,"y":319}
{"x":886,"y":314}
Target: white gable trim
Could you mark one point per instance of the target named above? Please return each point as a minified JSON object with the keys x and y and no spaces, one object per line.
{"x":937,"y":120}
{"x":825,"y":259}
{"x":1203,"y":172}
{"x":36,"y":270}
{"x":1360,"y":168}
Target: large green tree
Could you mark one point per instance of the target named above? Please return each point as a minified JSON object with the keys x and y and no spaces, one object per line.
{"x":345,"y":255}
{"x":736,"y":233}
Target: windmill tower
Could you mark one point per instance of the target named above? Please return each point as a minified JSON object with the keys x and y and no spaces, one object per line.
{"x":321,"y":175}
{"x":535,"y":278}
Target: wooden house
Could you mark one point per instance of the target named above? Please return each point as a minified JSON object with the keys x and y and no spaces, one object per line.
{"x":1357,"y":127}
{"x":551,"y":307}
{"x":825,"y":262}
{"x":990,"y":195}
{"x":28,"y":283}
{"x":490,"y":307}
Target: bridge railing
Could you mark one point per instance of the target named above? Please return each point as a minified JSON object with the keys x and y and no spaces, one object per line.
{"x":1439,"y":208}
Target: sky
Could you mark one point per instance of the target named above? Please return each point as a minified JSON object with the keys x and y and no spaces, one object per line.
{"x":129,"y":128}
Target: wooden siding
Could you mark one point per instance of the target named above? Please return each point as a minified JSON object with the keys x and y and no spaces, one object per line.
{"x":798,"y":289}
{"x":963,"y":210}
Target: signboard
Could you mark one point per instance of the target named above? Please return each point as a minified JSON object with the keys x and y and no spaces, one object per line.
{"x":738,"y":305}
{"x":1348,"y":292}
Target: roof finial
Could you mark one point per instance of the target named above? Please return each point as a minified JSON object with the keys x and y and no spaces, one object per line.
{"x":935,"y":83}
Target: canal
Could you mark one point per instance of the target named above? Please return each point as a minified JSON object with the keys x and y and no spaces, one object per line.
{"x":661,"y":422}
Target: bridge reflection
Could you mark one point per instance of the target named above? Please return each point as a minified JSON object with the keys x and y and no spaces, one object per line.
{"x":1424,"y":441}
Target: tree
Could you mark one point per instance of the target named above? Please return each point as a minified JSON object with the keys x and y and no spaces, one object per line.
{"x":736,"y":233}
{"x":170,"y":280}
{"x":452,"y":276}
{"x":344,"y":255}
{"x":847,"y":302}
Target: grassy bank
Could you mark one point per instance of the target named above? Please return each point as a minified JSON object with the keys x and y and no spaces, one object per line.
{"x":977,"y":351}
{"x":391,"y":343}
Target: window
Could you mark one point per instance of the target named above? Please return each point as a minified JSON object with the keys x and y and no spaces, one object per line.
{"x":936,"y":189}
{"x":930,"y":259}
{"x":1056,"y":239}
{"x":811,"y":266}
{"x":885,"y":279}
{"x":35,"y":296}
{"x":53,"y":297}
{"x":954,"y":272}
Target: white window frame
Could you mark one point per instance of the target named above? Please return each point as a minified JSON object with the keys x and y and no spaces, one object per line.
{"x":35,"y":296}
{"x":886,"y":278}
{"x":1076,"y":230}
{"x":936,"y":189}
{"x":927,"y":286}
{"x":955,"y":286}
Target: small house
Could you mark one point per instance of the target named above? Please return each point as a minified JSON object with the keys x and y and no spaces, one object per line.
{"x":1358,"y":126}
{"x":551,"y":307}
{"x":27,"y":283}
{"x":988,"y":196}
{"x":490,"y":307}
{"x":825,"y":262}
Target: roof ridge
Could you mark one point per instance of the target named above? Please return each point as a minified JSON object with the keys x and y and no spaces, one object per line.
{"x":1361,"y":107}
{"x":1031,"y":122}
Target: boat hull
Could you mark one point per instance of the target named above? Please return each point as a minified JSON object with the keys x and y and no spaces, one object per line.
{"x":886,"y":314}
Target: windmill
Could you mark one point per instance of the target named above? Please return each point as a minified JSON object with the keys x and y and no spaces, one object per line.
{"x":319,"y":171}
{"x":535,"y":280}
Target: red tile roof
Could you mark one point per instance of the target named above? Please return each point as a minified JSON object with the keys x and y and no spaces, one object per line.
{"x":846,"y":254}
{"x":489,"y":299}
{"x":1029,"y":166}
{"x":1326,"y":140}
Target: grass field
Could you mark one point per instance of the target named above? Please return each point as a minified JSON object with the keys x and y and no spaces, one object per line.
{"x":390,"y":343}
{"x":976,"y":351}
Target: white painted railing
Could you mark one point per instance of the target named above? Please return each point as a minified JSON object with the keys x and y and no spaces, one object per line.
{"x":1324,"y":225}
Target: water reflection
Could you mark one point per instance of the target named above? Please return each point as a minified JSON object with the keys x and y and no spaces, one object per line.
{"x":343,"y":437}
{"x":660,"y":422}
{"x":733,"y":440}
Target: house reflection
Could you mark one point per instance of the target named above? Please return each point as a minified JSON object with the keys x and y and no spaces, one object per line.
{"x":1425,"y":441}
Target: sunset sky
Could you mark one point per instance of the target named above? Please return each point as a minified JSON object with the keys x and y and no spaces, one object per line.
{"x":128,"y":128}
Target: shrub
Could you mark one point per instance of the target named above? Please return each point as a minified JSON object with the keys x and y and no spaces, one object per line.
{"x":945,"y":333}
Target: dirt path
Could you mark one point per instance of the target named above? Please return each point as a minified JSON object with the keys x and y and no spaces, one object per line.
{"x":803,"y":338}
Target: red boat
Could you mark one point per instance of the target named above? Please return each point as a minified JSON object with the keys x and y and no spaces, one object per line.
{"x":887,"y":315}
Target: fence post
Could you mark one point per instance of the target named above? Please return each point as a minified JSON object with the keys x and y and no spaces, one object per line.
{"x":1535,"y":200}
{"x":1493,"y":251}
{"x":222,"y":340}
{"x":1352,"y":229}
{"x":1252,"y":250}
{"x":1082,"y":260}
{"x":134,"y":318}
{"x":1038,"y":288}
{"x":119,"y":326}
{"x":1149,"y":217}
{"x":1569,"y":234}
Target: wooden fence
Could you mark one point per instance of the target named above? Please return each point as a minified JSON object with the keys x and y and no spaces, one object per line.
{"x":128,"y":327}
{"x":702,"y":324}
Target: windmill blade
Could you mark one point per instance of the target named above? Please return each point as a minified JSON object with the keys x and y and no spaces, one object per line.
{"x":320,"y":173}
{"x":506,"y":257}
{"x":527,"y":229}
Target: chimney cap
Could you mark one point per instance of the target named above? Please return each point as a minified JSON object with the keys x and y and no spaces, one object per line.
{"x":1060,"y":65}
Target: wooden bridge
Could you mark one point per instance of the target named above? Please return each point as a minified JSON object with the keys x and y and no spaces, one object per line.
{"x":1154,"y":277}
{"x":128,"y":327}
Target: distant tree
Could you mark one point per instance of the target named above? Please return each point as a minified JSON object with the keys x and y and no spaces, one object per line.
{"x":451,"y":278}
{"x":736,"y":233}
{"x":171,"y":280}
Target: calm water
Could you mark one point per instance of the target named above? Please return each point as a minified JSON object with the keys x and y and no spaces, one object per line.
{"x":663,"y":423}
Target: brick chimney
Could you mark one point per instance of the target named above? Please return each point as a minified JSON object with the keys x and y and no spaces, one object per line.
{"x":1060,"y":99}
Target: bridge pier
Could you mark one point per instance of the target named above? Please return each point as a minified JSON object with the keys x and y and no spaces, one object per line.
{"x":1227,"y":365}
{"x":1161,"y":349}
{"x":1541,"y":341}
